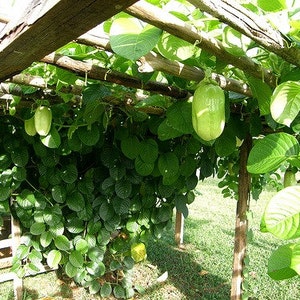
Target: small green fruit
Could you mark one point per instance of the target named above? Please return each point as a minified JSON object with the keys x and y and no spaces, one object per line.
{"x":29,"y":126}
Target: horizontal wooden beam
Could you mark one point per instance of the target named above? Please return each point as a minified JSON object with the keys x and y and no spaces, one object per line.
{"x":84,"y":69}
{"x":46,"y":26}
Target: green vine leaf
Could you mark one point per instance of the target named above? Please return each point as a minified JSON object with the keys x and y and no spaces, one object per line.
{"x":295,"y":261}
{"x":262,"y":92}
{"x":270,"y":152}
{"x":168,"y":164}
{"x":285,"y":102}
{"x":62,"y":243}
{"x":52,"y":140}
{"x":105,"y":290}
{"x":53,"y":259}
{"x":130,"y":146}
{"x":76,"y":258}
{"x":175,"y":48}
{"x":131,"y":38}
{"x":279,"y":264}
{"x":275,"y":5}
{"x":179,"y":116}
{"x":37,"y":228}
{"x":167,"y":132}
{"x":75,"y":201}
{"x":282,"y":214}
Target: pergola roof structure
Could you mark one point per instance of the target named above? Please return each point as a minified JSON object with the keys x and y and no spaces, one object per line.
{"x":31,"y":30}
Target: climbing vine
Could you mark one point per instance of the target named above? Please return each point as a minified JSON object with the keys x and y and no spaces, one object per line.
{"x":119,"y":152}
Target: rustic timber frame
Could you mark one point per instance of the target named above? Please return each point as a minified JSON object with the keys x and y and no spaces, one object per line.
{"x":47,"y":26}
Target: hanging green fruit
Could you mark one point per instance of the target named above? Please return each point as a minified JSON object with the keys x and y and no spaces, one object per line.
{"x":43,"y":120}
{"x":208,"y":110}
{"x":29,"y":126}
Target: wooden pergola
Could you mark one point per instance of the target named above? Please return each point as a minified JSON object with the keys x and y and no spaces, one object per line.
{"x":31,"y":30}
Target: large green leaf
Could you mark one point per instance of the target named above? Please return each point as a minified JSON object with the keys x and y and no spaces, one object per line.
{"x":234,"y":42}
{"x":270,"y":152}
{"x":106,"y":290}
{"x":75,"y":201}
{"x":20,"y":156}
{"x":26,"y":199}
{"x":168,"y":164}
{"x":94,"y":287}
{"x":143,"y":168}
{"x":119,"y":292}
{"x":279,"y":264}
{"x":285,"y":102}
{"x":175,"y":48}
{"x":130,"y":38}
{"x":274,"y":5}
{"x":149,"y":151}
{"x":89,"y":136}
{"x":37,"y":228}
{"x":166,"y":131}
{"x":282,"y":213}
{"x":46,"y":239}
{"x":153,"y":100}
{"x":179,"y":116}
{"x":82,"y":246}
{"x":130,"y":147}
{"x":295,"y":262}
{"x":69,"y":173}
{"x":76,"y":258}
{"x":62,"y":243}
{"x":52,"y":140}
{"x":123,"y":188}
{"x":58,"y":194}
{"x":70,"y":270}
{"x":54,"y":258}
{"x":96,"y":268}
{"x":180,"y":203}
{"x":262,"y":92}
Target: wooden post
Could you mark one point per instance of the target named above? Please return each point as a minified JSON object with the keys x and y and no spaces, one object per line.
{"x":16,"y":236}
{"x":241,"y":225}
{"x":179,"y":222}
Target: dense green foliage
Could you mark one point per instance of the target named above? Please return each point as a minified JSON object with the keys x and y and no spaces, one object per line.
{"x":114,"y":161}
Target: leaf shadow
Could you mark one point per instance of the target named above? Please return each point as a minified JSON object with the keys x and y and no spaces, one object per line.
{"x":185,"y":273}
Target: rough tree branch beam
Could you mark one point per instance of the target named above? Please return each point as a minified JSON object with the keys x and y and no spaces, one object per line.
{"x":156,"y":62}
{"x":251,"y":25}
{"x":161,"y":19}
{"x":95,"y":72}
{"x":46,"y":26}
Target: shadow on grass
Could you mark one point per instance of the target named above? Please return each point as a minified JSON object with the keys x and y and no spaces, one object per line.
{"x":50,"y":284}
{"x":184,"y":272}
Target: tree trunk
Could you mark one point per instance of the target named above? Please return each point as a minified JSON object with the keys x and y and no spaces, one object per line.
{"x":241,"y":225}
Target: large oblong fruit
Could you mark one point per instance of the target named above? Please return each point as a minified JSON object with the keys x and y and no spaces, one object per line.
{"x":208,"y":110}
{"x":43,"y":120}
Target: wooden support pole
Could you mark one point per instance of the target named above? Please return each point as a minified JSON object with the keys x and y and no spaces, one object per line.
{"x":241,"y":225}
{"x":16,"y":237}
{"x":179,"y":222}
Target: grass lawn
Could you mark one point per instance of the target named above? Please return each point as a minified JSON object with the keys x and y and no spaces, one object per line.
{"x":202,"y":270}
